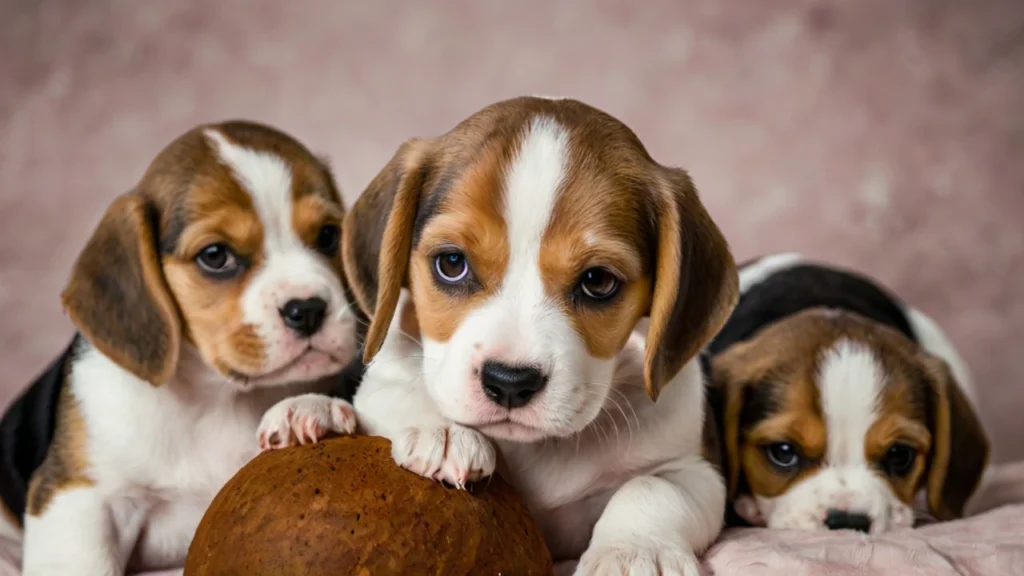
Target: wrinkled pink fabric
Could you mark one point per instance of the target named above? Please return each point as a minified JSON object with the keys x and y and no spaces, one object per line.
{"x":991,"y":544}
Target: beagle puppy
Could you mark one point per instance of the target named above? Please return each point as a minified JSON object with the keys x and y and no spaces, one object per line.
{"x":505,"y":265}
{"x":206,"y":294}
{"x":840,"y":404}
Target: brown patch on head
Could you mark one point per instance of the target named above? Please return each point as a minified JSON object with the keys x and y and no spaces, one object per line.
{"x":771,"y":395}
{"x":604,"y":217}
{"x":469,"y":220}
{"x":217,"y":210}
{"x":66,"y":465}
{"x":136,"y":288}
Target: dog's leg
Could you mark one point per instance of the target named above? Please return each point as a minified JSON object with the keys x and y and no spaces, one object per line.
{"x":658,"y":524}
{"x":77,"y":533}
{"x":398,"y":407}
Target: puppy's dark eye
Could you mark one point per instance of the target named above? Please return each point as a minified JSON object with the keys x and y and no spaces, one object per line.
{"x":599,"y":284}
{"x":898,"y":460}
{"x":327,"y":240}
{"x":783,"y":455}
{"x":451,"y":267}
{"x":218,"y":260}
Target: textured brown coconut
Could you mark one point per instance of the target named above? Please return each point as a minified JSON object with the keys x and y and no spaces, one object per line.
{"x":342,"y":506}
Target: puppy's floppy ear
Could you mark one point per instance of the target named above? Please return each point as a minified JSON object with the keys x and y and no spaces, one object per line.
{"x":960,"y":447}
{"x":377,"y":238}
{"x":728,"y":394}
{"x":117,"y":296}
{"x":696,"y":285}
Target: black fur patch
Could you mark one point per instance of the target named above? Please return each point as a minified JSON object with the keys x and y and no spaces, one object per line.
{"x":806,"y":286}
{"x":26,"y":429}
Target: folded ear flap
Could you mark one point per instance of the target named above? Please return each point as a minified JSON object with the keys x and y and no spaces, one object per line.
{"x":377,"y":238}
{"x":117,"y":296}
{"x":960,"y":447}
{"x":695,"y":280}
{"x":728,"y":395}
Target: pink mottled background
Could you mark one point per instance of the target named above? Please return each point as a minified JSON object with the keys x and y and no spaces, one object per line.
{"x":882,"y":134}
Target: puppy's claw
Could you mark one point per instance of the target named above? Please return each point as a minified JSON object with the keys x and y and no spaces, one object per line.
{"x":453,"y":454}
{"x":304,"y":420}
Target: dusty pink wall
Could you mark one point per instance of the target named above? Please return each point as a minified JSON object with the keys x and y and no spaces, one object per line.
{"x":885,"y":135}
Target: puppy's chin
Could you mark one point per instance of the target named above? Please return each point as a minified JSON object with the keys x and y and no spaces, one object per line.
{"x":308,"y":366}
{"x":513,"y":432}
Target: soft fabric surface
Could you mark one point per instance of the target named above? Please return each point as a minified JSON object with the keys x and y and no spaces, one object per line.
{"x":987,"y":545}
{"x":991,"y":544}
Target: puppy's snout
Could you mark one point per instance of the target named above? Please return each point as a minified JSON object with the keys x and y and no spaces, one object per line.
{"x":304,"y":316}
{"x":511,"y":386}
{"x":837,"y":519}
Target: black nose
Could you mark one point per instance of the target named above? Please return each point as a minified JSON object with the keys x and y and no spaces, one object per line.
{"x":843,"y":520}
{"x":511,"y":386}
{"x":304,"y":316}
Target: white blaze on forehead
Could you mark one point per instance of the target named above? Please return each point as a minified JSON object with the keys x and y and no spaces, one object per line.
{"x":268,"y":180}
{"x":532,"y":183}
{"x":849,"y":380}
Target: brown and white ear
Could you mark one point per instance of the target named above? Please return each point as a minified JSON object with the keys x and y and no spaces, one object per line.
{"x":728,"y":395}
{"x":696,"y":285}
{"x":117,"y":296}
{"x":377,"y":238}
{"x":960,"y":447}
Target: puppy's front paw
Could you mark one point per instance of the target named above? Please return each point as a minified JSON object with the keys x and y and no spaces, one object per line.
{"x":305,"y":419}
{"x":453,"y":454}
{"x":638,"y":560}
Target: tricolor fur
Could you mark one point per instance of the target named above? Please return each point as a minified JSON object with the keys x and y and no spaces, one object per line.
{"x":840,"y":403}
{"x":206,"y":294}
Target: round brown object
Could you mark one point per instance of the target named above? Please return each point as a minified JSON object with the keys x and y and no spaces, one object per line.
{"x":342,"y":506}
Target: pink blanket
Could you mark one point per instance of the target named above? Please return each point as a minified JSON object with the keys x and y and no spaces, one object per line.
{"x":991,"y":544}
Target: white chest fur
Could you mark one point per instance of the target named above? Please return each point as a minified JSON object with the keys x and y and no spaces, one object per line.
{"x":158,"y":455}
{"x":633,"y":437}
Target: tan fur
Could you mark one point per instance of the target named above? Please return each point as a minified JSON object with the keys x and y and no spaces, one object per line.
{"x":961,"y":447}
{"x":120,"y":269}
{"x":595,"y":224}
{"x":66,"y":464}
{"x":697,"y":285}
{"x":785,"y":357}
{"x":9,"y":516}
{"x":394,"y":196}
{"x":471,"y":219}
